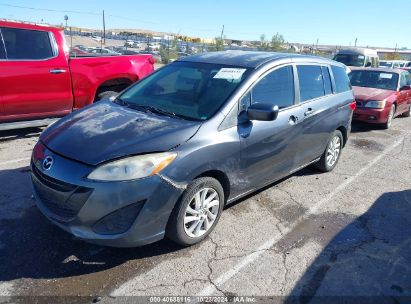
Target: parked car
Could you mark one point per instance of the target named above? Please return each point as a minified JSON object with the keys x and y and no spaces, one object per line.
{"x":172,"y":150}
{"x":129,"y":43}
{"x":156,"y":55}
{"x":103,"y":51}
{"x":358,"y":57}
{"x":381,"y":94}
{"x":77,"y":52}
{"x":40,"y":81}
{"x":391,"y":64}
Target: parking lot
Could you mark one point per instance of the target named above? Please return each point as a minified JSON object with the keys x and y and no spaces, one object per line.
{"x":305,"y":235}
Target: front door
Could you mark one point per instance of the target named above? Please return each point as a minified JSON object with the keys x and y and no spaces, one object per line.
{"x":268,"y":148}
{"x":35,"y":78}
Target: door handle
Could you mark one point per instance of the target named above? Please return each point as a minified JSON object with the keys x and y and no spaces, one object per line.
{"x":57,"y":71}
{"x":308,"y":112}
{"x":293,"y":120}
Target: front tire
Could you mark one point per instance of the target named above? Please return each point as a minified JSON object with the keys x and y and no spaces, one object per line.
{"x":408,"y":113}
{"x":332,"y":153}
{"x":197,"y":212}
{"x":390,"y":118}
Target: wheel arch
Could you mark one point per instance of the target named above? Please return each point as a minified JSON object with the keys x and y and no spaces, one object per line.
{"x":344,"y":133}
{"x":222,"y":178}
{"x":114,"y":84}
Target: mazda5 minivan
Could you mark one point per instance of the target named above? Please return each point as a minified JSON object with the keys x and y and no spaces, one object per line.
{"x":166,"y":156}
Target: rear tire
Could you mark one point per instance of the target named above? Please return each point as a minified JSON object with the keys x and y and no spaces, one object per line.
{"x":106,"y":95}
{"x":388,"y":124}
{"x":197,"y":212}
{"x":332,"y":153}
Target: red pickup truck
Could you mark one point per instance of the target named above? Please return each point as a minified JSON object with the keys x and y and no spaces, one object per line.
{"x":39,"y":81}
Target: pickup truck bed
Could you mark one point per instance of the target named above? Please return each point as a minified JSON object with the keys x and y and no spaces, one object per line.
{"x":40,"y":81}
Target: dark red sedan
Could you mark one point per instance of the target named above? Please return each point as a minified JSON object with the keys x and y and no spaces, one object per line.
{"x":381,"y":94}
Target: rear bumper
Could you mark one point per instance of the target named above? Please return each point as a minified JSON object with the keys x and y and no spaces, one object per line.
{"x":377,"y":116}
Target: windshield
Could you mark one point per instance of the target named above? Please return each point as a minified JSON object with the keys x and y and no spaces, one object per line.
{"x":374,"y":79}
{"x":189,"y":90}
{"x":385,"y":64}
{"x":351,"y":60}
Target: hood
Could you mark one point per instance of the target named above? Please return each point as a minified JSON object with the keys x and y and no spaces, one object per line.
{"x":107,"y":131}
{"x":367,"y":94}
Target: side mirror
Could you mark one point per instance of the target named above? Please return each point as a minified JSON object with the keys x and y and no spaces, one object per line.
{"x":406,"y":88}
{"x":262,"y":112}
{"x":368,"y":64}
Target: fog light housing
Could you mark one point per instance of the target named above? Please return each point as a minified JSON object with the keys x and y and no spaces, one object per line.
{"x":119,"y":221}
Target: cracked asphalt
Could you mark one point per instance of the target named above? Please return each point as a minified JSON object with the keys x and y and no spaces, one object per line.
{"x":345,"y":233}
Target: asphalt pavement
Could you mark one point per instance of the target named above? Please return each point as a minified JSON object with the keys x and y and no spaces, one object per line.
{"x":344,"y":233}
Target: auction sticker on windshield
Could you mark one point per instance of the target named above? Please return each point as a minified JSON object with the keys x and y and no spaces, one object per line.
{"x":385,"y":76}
{"x":229,"y":73}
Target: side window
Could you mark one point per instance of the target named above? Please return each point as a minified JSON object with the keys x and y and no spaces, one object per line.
{"x":275,"y":88}
{"x":403,"y":80}
{"x":2,"y":49}
{"x":408,"y":78}
{"x":27,"y":44}
{"x":327,"y":81}
{"x":342,"y":82}
{"x":311,"y":82}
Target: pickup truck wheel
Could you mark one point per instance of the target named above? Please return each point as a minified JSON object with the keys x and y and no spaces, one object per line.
{"x":106,"y":95}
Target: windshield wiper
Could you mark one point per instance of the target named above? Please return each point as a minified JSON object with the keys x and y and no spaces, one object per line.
{"x":155,"y":110}
{"x":121,"y":102}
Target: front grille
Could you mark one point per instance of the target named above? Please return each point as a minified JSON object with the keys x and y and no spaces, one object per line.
{"x":63,"y":200}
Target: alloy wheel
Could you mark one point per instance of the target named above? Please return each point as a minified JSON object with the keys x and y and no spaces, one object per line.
{"x":201,"y":212}
{"x":390,"y":116}
{"x":333,"y":151}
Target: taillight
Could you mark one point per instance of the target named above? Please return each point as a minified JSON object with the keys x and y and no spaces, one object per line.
{"x":151,"y":60}
{"x":353,"y":105}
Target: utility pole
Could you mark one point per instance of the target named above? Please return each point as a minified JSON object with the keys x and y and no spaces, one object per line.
{"x":221,"y":37}
{"x":104,"y":29}
{"x":355,"y":43}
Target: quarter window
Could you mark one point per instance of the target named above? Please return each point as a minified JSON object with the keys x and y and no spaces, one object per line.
{"x":276,"y":88}
{"x":342,"y":82}
{"x":327,"y":81}
{"x":311,"y":82}
{"x":27,"y":44}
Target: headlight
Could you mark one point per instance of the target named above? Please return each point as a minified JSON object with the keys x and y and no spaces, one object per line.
{"x":378,"y":104}
{"x":133,"y":167}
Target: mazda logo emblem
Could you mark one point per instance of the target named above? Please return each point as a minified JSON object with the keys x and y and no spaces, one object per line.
{"x":47,"y":163}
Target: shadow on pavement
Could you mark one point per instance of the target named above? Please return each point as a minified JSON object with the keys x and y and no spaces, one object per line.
{"x":19,"y":134}
{"x":32,"y":247}
{"x":369,"y":261}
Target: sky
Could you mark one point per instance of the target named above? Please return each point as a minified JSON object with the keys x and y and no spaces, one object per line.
{"x":333,"y":22}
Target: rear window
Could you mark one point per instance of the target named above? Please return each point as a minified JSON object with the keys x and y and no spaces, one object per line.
{"x":342,"y":82}
{"x":27,"y":44}
{"x":311,"y":82}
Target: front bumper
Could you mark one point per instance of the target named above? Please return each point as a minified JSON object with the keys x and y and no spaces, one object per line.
{"x":75,"y":204}
{"x":377,"y":116}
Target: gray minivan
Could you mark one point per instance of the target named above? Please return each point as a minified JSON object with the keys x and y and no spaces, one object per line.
{"x":166,"y":156}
